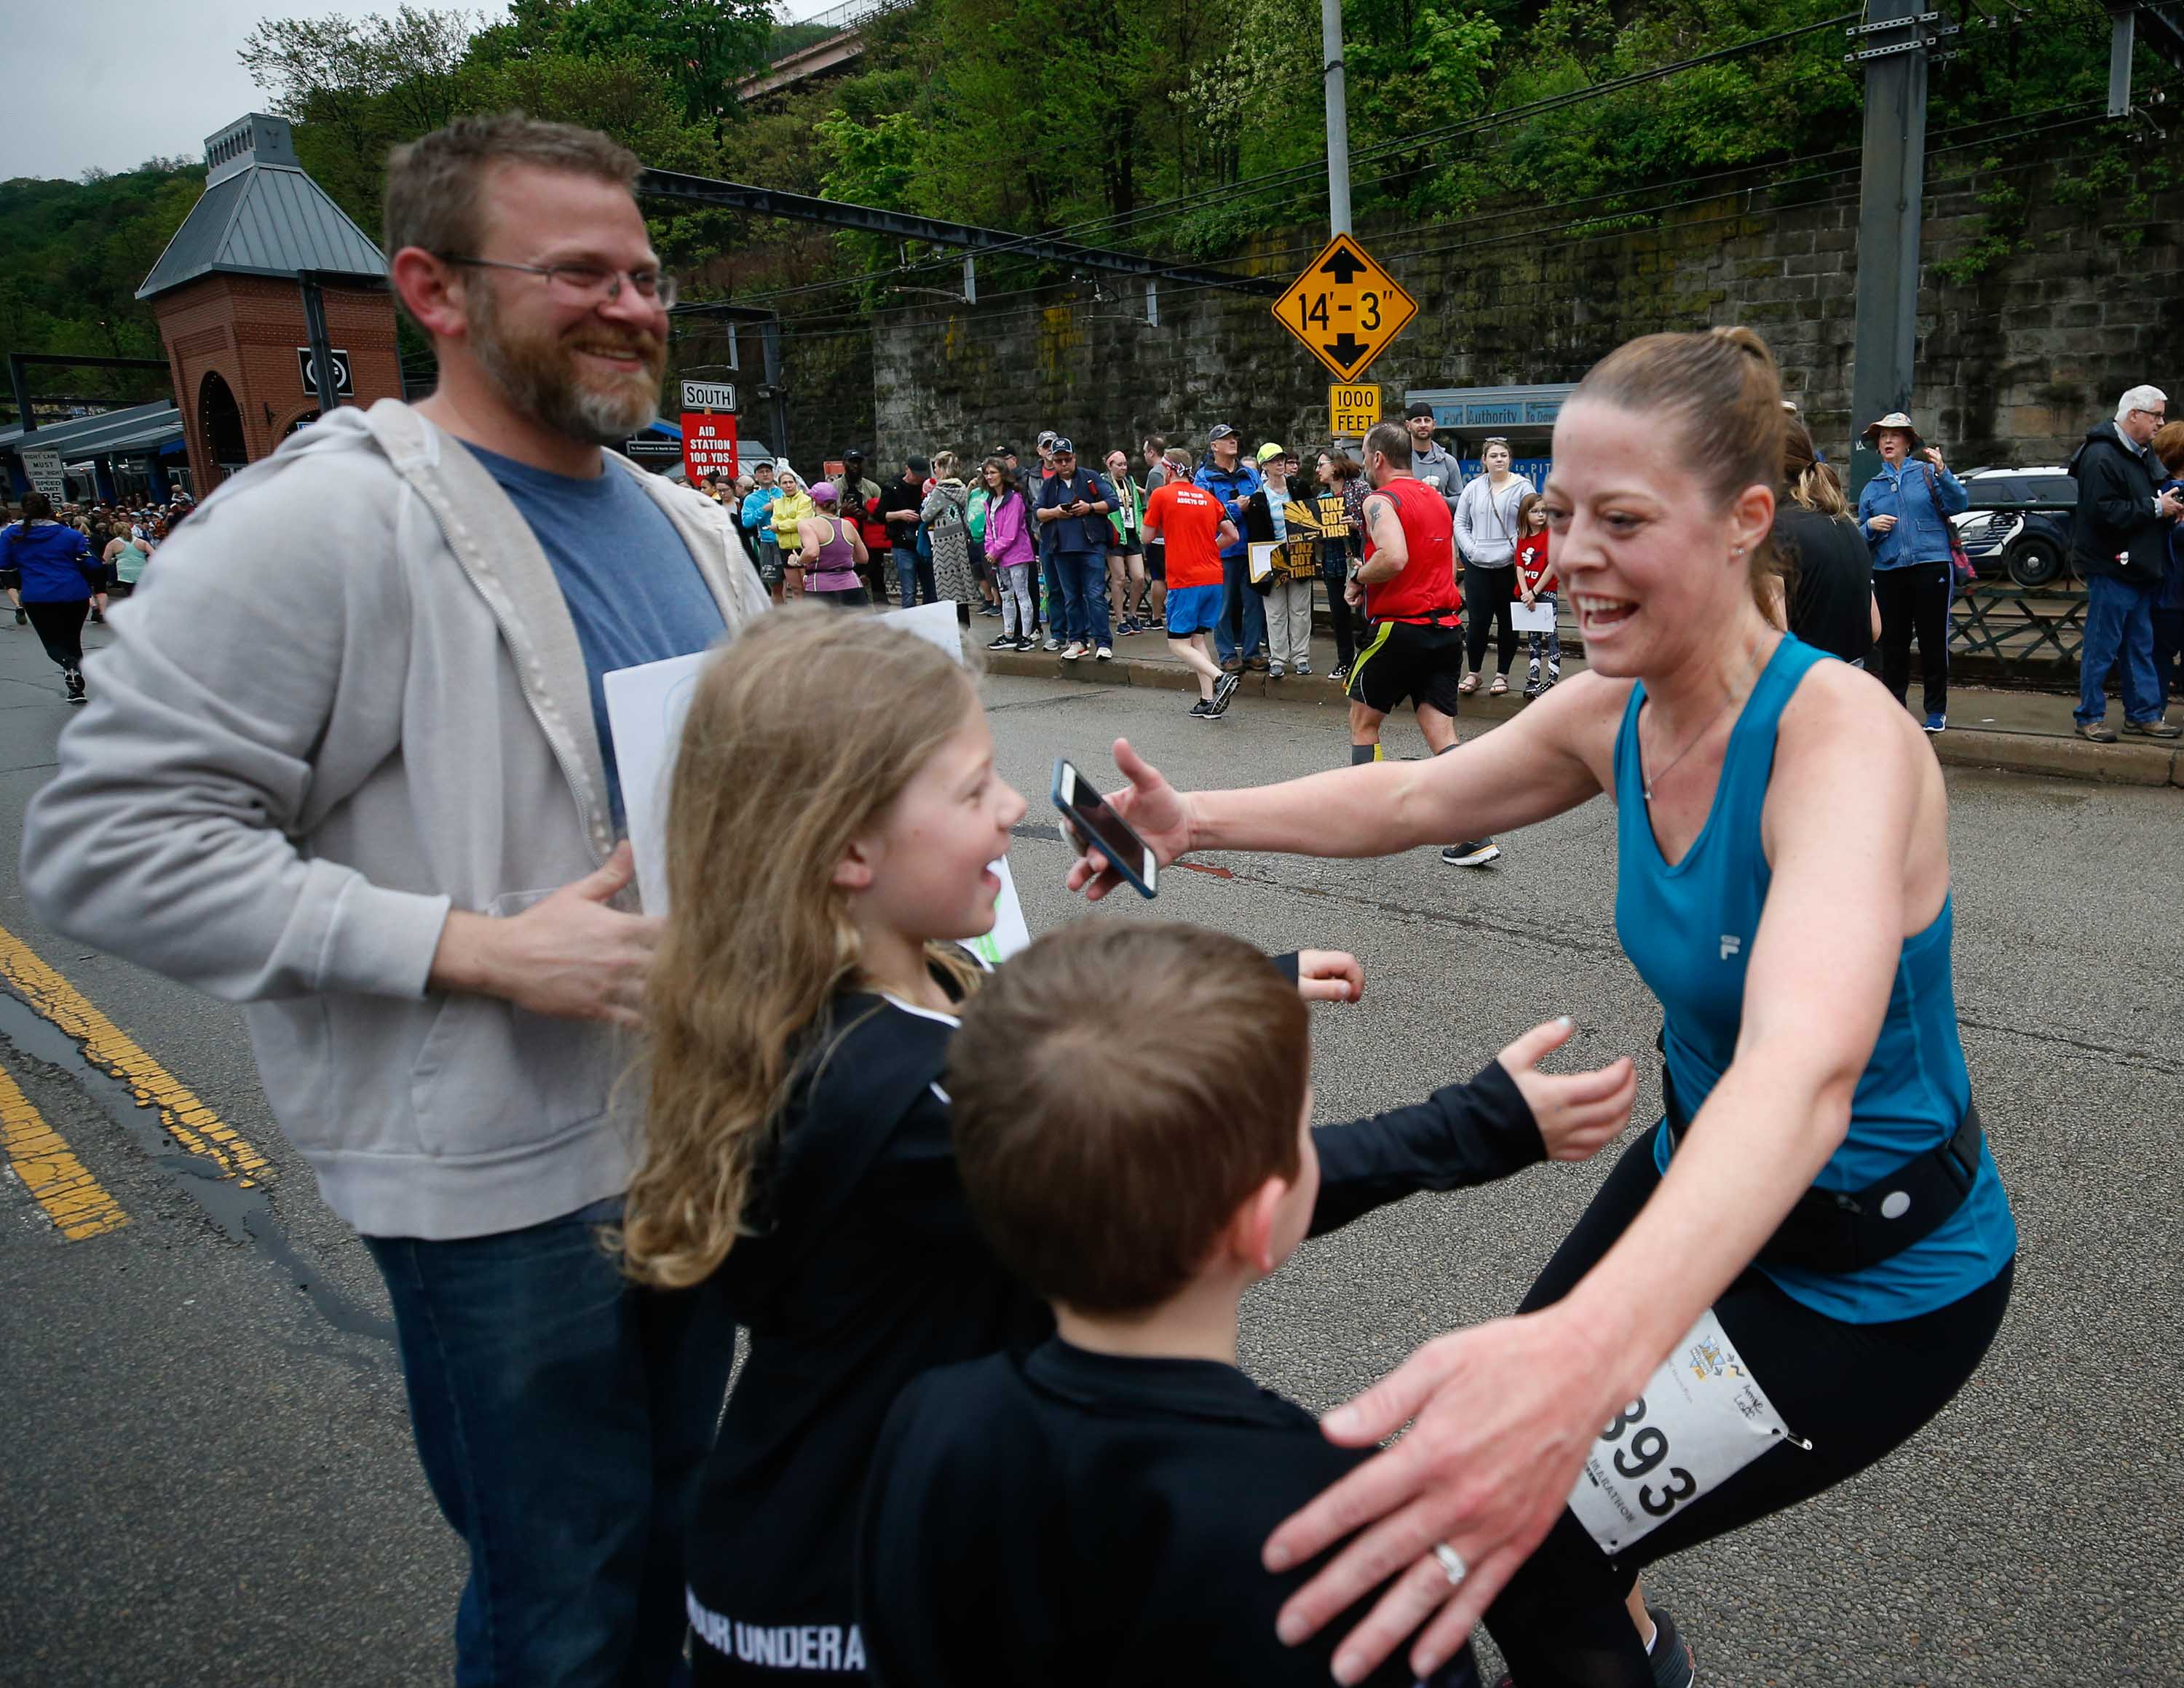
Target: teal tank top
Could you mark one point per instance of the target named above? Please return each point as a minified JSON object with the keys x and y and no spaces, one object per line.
{"x":1688,"y":930}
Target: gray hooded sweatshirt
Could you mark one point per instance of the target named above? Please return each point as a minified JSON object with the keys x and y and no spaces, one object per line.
{"x":348,"y":699}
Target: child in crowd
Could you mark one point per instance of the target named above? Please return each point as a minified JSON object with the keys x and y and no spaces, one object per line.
{"x":1093,"y":1510}
{"x":2167,"y":450}
{"x":1535,"y":584}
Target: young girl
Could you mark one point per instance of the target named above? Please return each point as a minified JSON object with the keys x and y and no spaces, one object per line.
{"x":1535,"y":584}
{"x":1008,"y":544}
{"x":797,"y":1158}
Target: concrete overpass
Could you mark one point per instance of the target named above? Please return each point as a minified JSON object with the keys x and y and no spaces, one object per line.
{"x":843,"y":44}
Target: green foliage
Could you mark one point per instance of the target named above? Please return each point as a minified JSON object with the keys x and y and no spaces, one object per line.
{"x":702,"y":48}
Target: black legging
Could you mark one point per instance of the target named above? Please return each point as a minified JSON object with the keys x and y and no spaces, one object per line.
{"x":1486,"y":596}
{"x":1915,"y":600}
{"x":60,"y":630}
{"x":1335,"y":570}
{"x":1854,"y":1391}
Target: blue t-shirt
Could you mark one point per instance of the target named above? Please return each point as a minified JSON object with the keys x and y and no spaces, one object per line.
{"x":628,"y":579}
{"x":1689,"y":928}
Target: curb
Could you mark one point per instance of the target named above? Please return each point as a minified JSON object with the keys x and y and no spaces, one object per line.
{"x":2019,"y":753}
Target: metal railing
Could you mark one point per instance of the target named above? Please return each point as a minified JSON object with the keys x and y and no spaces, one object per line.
{"x":2023,"y":631}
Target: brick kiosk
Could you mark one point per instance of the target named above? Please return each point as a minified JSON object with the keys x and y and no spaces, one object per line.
{"x":229,"y":294}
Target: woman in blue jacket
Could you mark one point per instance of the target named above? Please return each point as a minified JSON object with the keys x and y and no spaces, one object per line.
{"x":1904,"y":513}
{"x":60,"y":579}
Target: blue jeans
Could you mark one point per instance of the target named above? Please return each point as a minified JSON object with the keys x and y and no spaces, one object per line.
{"x":1085,"y":596}
{"x":561,"y":1414}
{"x":1239,"y":603}
{"x":2118,"y":631}
{"x":912,"y":574}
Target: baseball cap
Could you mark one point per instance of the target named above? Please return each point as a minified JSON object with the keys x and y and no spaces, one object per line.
{"x":1004,"y":451}
{"x":824,"y":492}
{"x":853,"y":455}
{"x":917,"y":465}
{"x":1220,"y":431}
{"x":1269,"y":451}
{"x":1047,"y":437}
{"x":1057,"y":445}
{"x":1417,"y":411}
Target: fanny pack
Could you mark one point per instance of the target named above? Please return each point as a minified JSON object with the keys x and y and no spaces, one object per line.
{"x":1847,"y":1230}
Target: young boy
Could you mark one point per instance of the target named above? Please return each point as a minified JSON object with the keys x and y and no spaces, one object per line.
{"x":1093,"y":1510}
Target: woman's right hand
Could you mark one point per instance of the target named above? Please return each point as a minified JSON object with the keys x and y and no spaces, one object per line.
{"x":1880,"y":524}
{"x":1157,"y":813}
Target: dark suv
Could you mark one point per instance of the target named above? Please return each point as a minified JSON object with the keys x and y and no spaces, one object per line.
{"x":2007,"y":531}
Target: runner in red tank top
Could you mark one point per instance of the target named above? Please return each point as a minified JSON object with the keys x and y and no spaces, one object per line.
{"x":1407,"y":588}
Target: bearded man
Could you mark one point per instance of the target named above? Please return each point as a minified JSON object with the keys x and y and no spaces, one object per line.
{"x":349,"y":741}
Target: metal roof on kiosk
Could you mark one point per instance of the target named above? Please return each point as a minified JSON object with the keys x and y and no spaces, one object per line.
{"x":140,"y":428}
{"x":261,"y":215}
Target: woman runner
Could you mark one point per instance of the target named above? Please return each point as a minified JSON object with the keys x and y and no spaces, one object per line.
{"x":1820,"y":1188}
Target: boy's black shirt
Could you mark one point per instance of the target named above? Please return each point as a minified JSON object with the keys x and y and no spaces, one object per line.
{"x":864,"y":1269}
{"x":1066,"y":1518}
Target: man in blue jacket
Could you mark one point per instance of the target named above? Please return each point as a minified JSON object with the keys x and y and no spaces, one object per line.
{"x":1241,"y":637}
{"x":1072,"y":518}
{"x":1904,"y":513}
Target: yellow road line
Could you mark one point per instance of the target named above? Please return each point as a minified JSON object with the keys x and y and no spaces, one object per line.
{"x":73,"y":1200}
{"x":189,"y":1122}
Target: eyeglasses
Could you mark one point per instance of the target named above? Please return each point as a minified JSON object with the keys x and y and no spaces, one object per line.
{"x":591,"y":284}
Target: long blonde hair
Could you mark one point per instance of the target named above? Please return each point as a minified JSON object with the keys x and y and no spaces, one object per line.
{"x":801,"y":734}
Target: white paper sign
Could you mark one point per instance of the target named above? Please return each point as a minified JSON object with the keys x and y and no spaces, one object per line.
{"x":1702,"y":1419}
{"x":1532,"y":618}
{"x":645,"y":707}
{"x":1261,"y":554}
{"x":42,"y":464}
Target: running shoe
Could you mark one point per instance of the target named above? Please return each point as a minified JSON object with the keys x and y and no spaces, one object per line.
{"x":1129,"y":628}
{"x":2146,"y":729}
{"x":1105,"y":653}
{"x":1338,"y":675}
{"x":1277,"y":671}
{"x":1303,"y":671}
{"x":2098,"y":731}
{"x":20,"y":618}
{"x":1026,"y":642}
{"x":1471,"y":853}
{"x":1203,"y":709}
{"x":1936,"y":722}
{"x":1003,"y":642}
{"x":1073,"y":650}
{"x":73,"y":676}
{"x":1257,"y":665}
{"x":1223,"y":689}
{"x":1051,"y":644}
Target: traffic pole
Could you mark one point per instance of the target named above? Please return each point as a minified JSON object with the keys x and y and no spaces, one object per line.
{"x":1338,"y":119}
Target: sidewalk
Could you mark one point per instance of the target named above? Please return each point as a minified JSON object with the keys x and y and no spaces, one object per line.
{"x":2016,"y":731}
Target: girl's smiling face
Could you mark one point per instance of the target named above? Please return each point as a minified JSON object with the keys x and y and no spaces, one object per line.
{"x":926,"y":864}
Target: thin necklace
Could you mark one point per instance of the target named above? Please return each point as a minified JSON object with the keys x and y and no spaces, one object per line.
{"x":1690,"y":744}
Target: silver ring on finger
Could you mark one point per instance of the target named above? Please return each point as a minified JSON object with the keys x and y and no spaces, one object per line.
{"x":1451,"y":1563}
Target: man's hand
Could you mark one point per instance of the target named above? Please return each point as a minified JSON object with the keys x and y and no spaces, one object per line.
{"x":2171,"y":505}
{"x":1157,"y":813}
{"x":568,"y":956}
{"x":1353,"y":594}
{"x":1329,"y":976}
{"x":1504,"y":1414}
{"x":1881,"y":524}
{"x":1577,"y":1113}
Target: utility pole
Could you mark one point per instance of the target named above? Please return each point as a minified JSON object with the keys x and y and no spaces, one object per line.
{"x":1891,"y":44}
{"x":1338,"y":119}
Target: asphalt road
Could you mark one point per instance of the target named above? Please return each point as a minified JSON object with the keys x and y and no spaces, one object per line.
{"x":207,"y":1473}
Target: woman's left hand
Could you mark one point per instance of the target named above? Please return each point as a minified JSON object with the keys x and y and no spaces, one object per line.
{"x":1504,"y":1413}
{"x":1329,"y":976}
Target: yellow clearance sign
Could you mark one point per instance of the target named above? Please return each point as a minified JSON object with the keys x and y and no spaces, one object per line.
{"x":1345,"y":309}
{"x":1352,"y":412}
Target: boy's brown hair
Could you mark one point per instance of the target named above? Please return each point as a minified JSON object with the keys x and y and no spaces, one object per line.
{"x":1102,"y":1186}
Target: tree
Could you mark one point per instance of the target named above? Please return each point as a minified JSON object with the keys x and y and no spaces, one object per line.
{"x":703,"y":48}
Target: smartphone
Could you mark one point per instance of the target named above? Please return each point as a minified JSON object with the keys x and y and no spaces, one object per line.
{"x":1090,"y":823}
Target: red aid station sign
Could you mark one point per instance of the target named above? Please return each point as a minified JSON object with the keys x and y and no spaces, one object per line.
{"x":708,"y":433}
